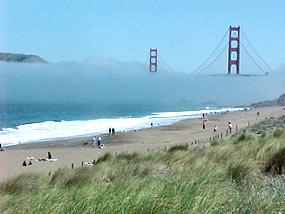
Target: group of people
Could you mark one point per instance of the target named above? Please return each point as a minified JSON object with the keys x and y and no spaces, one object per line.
{"x":111,"y":131}
{"x":230,"y":126}
{"x":26,"y":163}
{"x":99,"y":143}
{"x":29,"y":162}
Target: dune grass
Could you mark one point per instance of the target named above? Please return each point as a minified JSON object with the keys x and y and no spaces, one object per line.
{"x":243,"y":174}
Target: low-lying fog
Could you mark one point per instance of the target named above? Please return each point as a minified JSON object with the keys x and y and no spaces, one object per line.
{"x":129,"y":83}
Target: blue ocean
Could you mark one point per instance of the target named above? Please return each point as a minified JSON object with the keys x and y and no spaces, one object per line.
{"x":67,"y":100}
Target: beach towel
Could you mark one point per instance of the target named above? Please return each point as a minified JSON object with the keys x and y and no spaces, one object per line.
{"x":88,"y":164}
{"x":30,"y":158}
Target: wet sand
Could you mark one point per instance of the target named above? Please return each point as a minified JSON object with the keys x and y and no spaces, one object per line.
{"x":73,"y":151}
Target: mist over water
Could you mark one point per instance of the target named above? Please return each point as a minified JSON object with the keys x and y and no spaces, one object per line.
{"x":78,"y":83}
{"x":49,"y":101}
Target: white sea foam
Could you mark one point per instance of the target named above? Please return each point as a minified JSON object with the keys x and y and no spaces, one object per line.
{"x":51,"y":130}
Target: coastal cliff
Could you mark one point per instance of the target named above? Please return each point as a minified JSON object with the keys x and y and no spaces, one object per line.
{"x":11,"y":57}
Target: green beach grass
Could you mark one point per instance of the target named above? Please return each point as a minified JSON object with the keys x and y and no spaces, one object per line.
{"x":243,"y":174}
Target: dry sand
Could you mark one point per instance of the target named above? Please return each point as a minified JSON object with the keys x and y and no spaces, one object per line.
{"x":73,"y":151}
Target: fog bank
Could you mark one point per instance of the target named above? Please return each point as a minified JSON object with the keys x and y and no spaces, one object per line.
{"x":129,"y":83}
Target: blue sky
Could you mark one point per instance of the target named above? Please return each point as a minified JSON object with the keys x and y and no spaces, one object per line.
{"x":185,"y":32}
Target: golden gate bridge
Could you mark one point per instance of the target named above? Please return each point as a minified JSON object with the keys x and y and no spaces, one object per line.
{"x":233,"y":47}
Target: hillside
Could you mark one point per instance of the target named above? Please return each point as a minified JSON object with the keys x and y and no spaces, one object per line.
{"x":243,"y":174}
{"x":277,"y":102}
{"x":11,"y":57}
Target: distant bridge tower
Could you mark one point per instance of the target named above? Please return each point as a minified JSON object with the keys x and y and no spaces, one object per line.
{"x":153,"y":60}
{"x":234,"y":47}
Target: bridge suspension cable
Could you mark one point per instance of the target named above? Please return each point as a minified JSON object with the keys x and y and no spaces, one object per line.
{"x":164,"y":63}
{"x":256,"y":51}
{"x":145,"y":65}
{"x":252,"y":58}
{"x":200,"y":66}
{"x":221,"y":52}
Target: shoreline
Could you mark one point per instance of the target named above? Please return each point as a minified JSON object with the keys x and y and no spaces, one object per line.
{"x":74,"y":141}
{"x":159,"y":137}
{"x":45,"y":131}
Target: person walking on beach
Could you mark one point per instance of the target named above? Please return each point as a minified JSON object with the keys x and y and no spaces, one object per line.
{"x":204,"y":125}
{"x":99,"y":141}
{"x":94,"y":140}
{"x":110,"y":131}
{"x":230,"y":126}
{"x":215,"y":128}
{"x":1,"y":149}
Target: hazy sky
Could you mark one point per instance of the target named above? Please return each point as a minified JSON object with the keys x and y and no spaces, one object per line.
{"x":185,"y":32}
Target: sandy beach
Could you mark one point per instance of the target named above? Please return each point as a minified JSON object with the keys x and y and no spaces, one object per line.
{"x":161,"y":137}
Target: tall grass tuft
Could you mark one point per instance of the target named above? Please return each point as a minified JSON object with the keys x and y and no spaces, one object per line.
{"x":80,"y":176}
{"x":277,"y":133}
{"x":214,"y":143}
{"x":104,"y":158}
{"x":182,"y":147}
{"x":59,"y":176}
{"x":129,"y":157}
{"x":243,"y":137}
{"x":27,"y":182}
{"x":237,"y":171}
{"x":276,"y":164}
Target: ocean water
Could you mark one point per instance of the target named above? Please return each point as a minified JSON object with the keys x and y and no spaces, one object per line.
{"x":27,"y":123}
{"x":51,"y":101}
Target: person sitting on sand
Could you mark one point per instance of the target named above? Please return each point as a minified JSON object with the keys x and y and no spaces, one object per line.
{"x":24,"y":163}
{"x":49,"y":155}
{"x":100,"y":144}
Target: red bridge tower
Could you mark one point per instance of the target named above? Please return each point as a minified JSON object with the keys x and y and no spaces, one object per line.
{"x":153,"y":60}
{"x":234,"y":47}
